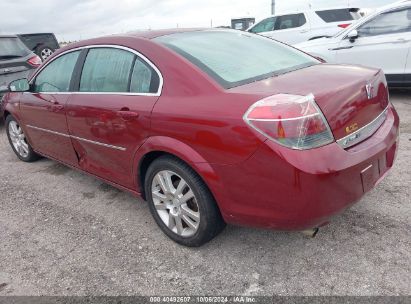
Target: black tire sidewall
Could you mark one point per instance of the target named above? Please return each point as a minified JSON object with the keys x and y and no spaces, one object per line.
{"x":211,"y":222}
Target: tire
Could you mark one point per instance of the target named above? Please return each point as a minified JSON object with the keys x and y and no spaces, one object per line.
{"x":44,"y":52}
{"x":183,"y":206}
{"x":18,"y":141}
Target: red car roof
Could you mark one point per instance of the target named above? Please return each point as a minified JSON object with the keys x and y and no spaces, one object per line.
{"x":157,"y":33}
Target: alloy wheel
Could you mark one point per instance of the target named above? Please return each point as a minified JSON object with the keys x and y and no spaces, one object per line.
{"x":45,"y":53}
{"x":175,"y":203}
{"x":18,"y":139}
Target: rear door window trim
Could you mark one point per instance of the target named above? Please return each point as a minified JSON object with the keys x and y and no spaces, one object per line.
{"x":79,"y":67}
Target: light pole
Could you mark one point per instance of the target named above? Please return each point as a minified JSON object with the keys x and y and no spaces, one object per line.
{"x":272,"y":7}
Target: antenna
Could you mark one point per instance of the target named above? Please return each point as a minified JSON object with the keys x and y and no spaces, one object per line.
{"x":273,"y":7}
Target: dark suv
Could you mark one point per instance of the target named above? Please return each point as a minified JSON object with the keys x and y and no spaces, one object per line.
{"x":16,"y":61}
{"x":43,"y":44}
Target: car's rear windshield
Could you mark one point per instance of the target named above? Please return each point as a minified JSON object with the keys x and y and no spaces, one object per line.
{"x":235,"y":58}
{"x":339,"y":15}
{"x":11,"y":47}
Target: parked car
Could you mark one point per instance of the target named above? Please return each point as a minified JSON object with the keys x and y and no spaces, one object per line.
{"x":381,"y":40}
{"x":307,"y":25}
{"x":16,"y":61}
{"x":242,"y":24}
{"x":43,"y":44}
{"x":206,"y":133}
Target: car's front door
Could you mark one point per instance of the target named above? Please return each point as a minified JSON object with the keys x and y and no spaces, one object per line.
{"x":383,"y":42}
{"x":109,"y":116}
{"x":43,"y":109}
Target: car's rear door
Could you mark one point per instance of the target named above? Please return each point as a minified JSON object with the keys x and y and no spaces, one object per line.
{"x":109,"y":116}
{"x":43,"y":109}
{"x":383,"y":42}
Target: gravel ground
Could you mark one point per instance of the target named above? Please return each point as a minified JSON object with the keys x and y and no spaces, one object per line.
{"x":65,"y":233}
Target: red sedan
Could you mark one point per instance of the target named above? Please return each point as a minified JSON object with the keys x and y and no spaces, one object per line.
{"x":210,"y":127}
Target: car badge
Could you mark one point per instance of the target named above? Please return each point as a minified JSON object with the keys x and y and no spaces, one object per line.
{"x":351,"y":129}
{"x":370,"y":90}
{"x":352,"y":138}
{"x":6,"y":70}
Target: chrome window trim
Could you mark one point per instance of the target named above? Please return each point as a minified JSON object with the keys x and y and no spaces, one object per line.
{"x":78,"y":138}
{"x":364,"y":133}
{"x":113,"y":46}
{"x":48,"y":131}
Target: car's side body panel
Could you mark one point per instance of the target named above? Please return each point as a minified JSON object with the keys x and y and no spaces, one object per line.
{"x":387,"y":52}
{"x":44,"y":117}
{"x":106,"y":141}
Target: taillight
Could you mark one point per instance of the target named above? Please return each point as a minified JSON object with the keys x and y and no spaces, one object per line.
{"x":34,"y":61}
{"x":344,"y":25}
{"x":293,"y":121}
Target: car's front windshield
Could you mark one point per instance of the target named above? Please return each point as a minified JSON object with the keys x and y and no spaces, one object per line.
{"x":235,"y":58}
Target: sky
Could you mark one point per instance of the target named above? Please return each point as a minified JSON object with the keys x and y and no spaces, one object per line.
{"x":80,"y":19}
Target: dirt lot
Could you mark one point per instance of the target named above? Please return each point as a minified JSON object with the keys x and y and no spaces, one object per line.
{"x":64,"y":233}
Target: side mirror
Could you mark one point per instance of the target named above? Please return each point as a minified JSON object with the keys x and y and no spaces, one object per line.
{"x":353,"y":35}
{"x":20,"y":85}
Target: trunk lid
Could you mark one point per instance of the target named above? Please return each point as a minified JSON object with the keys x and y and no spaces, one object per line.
{"x":350,"y":97}
{"x":13,"y":69}
{"x":14,"y":65}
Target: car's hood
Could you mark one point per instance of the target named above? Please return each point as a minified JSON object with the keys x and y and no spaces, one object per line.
{"x":316,"y":42}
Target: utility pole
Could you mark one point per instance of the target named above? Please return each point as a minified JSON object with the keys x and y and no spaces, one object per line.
{"x":272,"y":7}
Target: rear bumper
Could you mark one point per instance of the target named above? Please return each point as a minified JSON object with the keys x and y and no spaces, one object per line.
{"x":286,"y":189}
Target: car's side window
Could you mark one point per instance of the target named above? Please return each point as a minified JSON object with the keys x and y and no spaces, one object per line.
{"x":387,"y":23}
{"x":106,"y":70}
{"x":144,"y":79}
{"x":266,"y":25}
{"x":290,"y":21}
{"x":56,"y":76}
